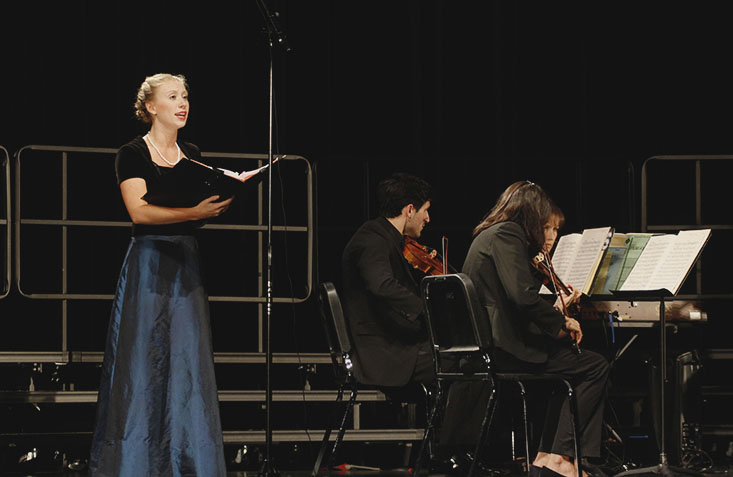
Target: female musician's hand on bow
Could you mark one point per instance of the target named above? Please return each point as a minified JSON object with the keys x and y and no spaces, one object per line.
{"x":564,"y":300}
{"x":572,"y":328}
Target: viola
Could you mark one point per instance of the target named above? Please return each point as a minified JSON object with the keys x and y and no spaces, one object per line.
{"x":541,"y":262}
{"x":424,"y":258}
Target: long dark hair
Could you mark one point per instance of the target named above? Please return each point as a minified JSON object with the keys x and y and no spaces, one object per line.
{"x":525,"y":203}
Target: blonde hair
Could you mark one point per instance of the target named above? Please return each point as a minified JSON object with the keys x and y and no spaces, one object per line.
{"x":146,"y":91}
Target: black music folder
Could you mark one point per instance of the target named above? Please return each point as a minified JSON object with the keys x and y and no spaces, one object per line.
{"x":189,"y":182}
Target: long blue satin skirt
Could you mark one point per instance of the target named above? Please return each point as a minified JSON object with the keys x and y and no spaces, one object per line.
{"x":158,"y":411}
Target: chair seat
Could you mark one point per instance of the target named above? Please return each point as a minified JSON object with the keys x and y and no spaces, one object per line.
{"x":460,"y":349}
{"x":463,"y":376}
{"x":531,"y":377}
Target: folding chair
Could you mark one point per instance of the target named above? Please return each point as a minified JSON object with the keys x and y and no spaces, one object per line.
{"x":334,"y":321}
{"x":459,"y":326}
{"x":340,"y":348}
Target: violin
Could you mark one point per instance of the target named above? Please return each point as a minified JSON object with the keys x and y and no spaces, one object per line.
{"x":424,"y":258}
{"x":541,"y":262}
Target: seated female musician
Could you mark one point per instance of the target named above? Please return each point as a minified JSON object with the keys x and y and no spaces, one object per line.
{"x":530,"y":335}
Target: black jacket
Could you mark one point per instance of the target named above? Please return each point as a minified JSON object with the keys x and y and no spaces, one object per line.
{"x":522,"y":323}
{"x":382,"y":304}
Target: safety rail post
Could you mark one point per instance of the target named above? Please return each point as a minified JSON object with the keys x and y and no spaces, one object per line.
{"x":5,"y":224}
{"x":646,"y":227}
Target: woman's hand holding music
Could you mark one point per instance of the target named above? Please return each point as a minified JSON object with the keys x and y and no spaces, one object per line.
{"x":212,"y":207}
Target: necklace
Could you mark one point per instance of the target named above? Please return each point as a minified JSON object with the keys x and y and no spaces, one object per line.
{"x":150,"y":140}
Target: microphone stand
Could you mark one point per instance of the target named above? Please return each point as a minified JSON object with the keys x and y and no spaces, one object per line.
{"x":274,"y":35}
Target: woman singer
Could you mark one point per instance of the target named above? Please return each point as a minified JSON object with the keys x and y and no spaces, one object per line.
{"x":158,"y":411}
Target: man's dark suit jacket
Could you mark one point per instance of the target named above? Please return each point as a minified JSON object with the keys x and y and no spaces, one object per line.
{"x":381,"y":301}
{"x":522,"y":322}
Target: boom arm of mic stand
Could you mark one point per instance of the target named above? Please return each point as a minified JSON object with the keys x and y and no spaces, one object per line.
{"x":273,"y":27}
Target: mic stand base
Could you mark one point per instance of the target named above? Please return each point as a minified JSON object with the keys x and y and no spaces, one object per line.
{"x":268,"y":470}
{"x":661,"y":469}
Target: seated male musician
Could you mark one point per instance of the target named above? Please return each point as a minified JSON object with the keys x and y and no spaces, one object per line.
{"x":380,"y":296}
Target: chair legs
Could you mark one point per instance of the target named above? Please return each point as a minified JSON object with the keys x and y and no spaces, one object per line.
{"x":429,"y":428}
{"x":523,"y":394}
{"x":485,"y":426}
{"x":327,"y":434}
{"x":342,"y":430}
{"x":573,"y":402}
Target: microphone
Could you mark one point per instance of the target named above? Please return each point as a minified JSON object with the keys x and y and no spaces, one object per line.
{"x":273,"y":26}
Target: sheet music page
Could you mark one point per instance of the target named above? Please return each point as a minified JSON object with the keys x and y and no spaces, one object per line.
{"x":244,"y":175}
{"x":562,"y":259}
{"x":650,"y":259}
{"x":679,"y":259}
{"x":587,"y":258}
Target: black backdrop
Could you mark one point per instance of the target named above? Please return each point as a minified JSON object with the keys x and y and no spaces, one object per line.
{"x":421,"y":79}
{"x":470,"y":95}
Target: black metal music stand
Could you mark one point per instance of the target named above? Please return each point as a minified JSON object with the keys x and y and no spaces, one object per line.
{"x":275,"y":36}
{"x":663,"y":466}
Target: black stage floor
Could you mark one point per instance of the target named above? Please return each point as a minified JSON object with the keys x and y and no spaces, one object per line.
{"x":286,"y":473}
{"x":716,"y":472}
{"x":307,"y":473}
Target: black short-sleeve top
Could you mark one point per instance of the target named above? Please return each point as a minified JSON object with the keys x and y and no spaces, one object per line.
{"x":133,"y":160}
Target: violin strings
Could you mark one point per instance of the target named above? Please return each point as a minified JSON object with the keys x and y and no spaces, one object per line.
{"x":555,"y":283}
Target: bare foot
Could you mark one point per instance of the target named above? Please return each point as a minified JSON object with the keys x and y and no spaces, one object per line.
{"x":562,"y":465}
{"x":541,"y":459}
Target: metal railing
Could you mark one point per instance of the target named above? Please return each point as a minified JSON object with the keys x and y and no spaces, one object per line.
{"x":246,"y":395}
{"x":697,"y":161}
{"x":65,"y":223}
{"x":5,"y":224}
{"x":258,"y":437}
{"x":67,"y":357}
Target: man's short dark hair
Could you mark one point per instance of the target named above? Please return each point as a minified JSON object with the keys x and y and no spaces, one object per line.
{"x":399,"y":190}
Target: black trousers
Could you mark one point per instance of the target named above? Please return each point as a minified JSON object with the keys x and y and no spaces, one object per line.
{"x":423,"y":374}
{"x":587,"y":372}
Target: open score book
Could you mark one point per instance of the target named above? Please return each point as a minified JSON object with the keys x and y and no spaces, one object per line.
{"x":189,"y":182}
{"x":578,"y":256}
{"x":666,"y":261}
{"x":642,"y":262}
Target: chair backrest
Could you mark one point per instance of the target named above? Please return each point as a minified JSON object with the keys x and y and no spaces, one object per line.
{"x":456,"y":320}
{"x":334,"y":323}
